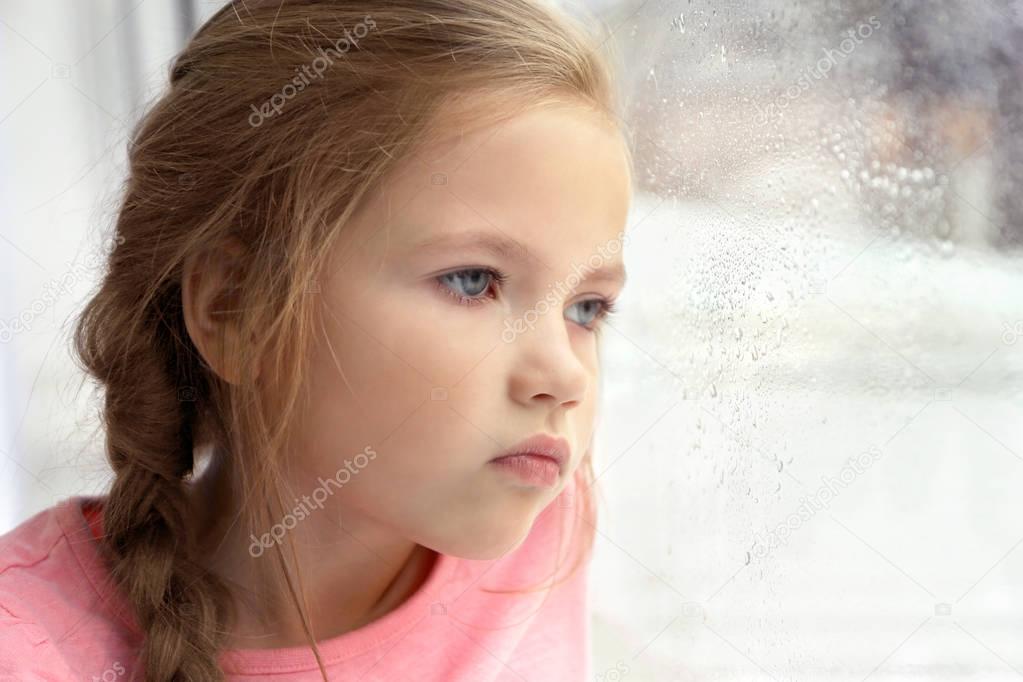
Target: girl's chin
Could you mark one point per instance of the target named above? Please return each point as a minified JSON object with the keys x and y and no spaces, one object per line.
{"x":496,"y":545}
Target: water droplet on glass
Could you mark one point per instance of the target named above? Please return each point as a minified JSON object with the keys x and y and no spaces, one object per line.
{"x":679,"y":22}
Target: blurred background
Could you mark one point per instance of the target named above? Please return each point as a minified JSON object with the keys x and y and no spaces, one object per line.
{"x":811,"y":449}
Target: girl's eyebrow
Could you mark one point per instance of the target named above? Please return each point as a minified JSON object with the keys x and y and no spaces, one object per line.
{"x":502,"y":246}
{"x":488,"y":242}
{"x":614,"y":272}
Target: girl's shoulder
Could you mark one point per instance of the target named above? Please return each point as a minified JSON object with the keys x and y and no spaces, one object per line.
{"x":29,"y":652}
{"x":56,"y":616}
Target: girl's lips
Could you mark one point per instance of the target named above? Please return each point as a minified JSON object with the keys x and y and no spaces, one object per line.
{"x":535,"y":470}
{"x":541,"y":444}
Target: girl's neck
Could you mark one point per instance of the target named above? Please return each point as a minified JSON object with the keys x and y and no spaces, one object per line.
{"x":350,"y":577}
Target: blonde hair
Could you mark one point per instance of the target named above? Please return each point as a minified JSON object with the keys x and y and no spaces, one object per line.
{"x":231,"y":152}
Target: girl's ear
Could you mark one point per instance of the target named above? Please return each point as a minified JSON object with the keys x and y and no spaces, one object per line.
{"x":210,"y":302}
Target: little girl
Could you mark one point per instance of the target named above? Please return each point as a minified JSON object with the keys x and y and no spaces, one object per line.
{"x":348,"y":343}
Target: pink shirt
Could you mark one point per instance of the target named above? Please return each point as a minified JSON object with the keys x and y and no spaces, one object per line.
{"x":60,"y":619}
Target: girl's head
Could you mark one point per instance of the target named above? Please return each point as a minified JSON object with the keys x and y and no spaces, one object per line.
{"x":448,"y":331}
{"x":370,"y":242}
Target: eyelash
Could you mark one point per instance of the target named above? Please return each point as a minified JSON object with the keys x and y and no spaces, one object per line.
{"x":608,"y":306}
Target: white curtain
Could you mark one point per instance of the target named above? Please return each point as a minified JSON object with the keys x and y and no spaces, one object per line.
{"x":75,"y":75}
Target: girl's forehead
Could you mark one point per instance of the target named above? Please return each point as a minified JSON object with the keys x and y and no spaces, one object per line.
{"x":547,"y":160}
{"x":455,"y":142}
{"x":553,"y":179}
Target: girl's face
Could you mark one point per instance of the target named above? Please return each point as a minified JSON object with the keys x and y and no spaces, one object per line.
{"x":460,"y":315}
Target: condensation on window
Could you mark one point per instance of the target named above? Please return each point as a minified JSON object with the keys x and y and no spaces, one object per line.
{"x":812,"y":447}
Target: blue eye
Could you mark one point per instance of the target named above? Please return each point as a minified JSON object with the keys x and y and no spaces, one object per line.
{"x":595,"y":310}
{"x":467,"y":285}
{"x":470,"y":286}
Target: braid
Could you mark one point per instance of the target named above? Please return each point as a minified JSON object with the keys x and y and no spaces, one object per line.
{"x":179,"y":606}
